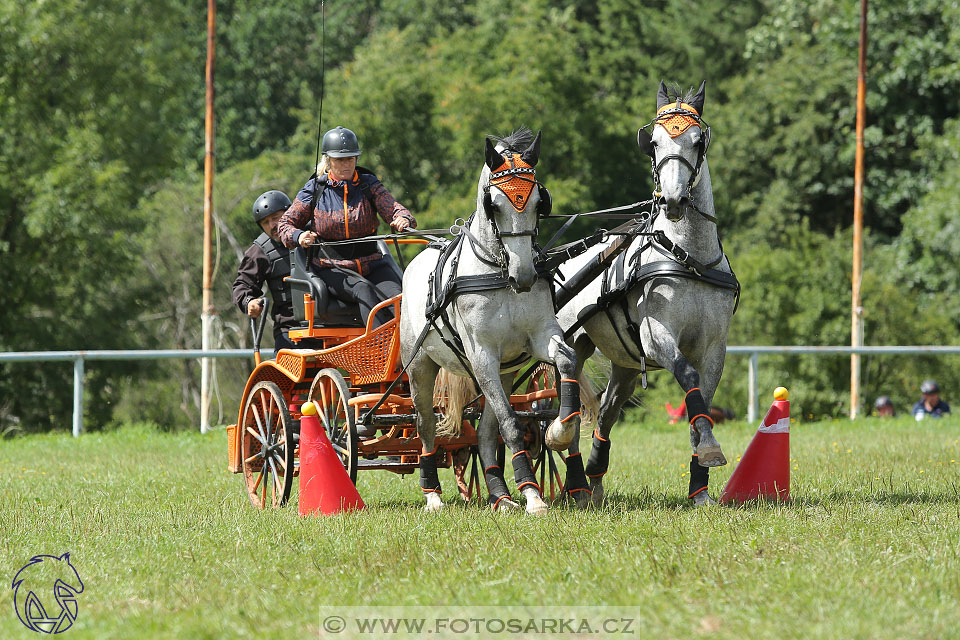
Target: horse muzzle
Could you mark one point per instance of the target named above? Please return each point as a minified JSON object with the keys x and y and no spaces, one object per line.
{"x":523,"y":285}
{"x":675,"y":208}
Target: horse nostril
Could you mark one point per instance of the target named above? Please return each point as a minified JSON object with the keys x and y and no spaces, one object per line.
{"x":519,"y":287}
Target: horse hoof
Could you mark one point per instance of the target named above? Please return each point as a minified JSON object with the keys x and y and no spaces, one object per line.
{"x":710,"y":456}
{"x":560,"y":435}
{"x":537,"y":508}
{"x":703,"y":499}
{"x":506,"y":505}
{"x":582,"y":499}
{"x":596,"y":488}
{"x":434,"y":503}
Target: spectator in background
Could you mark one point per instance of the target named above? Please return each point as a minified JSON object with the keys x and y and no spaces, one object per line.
{"x":884,"y":407}
{"x":930,"y":405}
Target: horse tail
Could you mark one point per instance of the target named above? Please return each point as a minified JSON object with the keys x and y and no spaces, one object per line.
{"x":589,"y":399}
{"x":451,"y":394}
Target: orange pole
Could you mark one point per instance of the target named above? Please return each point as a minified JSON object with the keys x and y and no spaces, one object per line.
{"x":856,"y":332}
{"x":207,"y":310}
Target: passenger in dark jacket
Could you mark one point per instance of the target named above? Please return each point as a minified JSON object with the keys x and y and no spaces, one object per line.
{"x":267,"y":261}
{"x":348,"y":200}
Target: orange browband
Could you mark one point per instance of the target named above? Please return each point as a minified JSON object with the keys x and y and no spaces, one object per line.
{"x":675,"y":124}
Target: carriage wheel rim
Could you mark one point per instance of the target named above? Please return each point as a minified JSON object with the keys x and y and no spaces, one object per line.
{"x":266,"y":425}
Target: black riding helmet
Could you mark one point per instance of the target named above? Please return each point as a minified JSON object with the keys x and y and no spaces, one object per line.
{"x":340,"y":143}
{"x":268,"y":203}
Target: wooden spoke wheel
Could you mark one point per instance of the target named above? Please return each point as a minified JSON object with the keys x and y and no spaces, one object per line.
{"x":331,"y":394}
{"x":545,"y":464}
{"x":266,"y":446}
{"x":466,"y":470}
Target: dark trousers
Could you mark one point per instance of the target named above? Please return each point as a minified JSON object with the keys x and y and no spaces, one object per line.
{"x":367,"y":291}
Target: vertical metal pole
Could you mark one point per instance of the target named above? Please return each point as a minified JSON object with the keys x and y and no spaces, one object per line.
{"x":753,"y":408}
{"x":77,"y":397}
{"x":856,"y":322}
{"x":206,"y":313}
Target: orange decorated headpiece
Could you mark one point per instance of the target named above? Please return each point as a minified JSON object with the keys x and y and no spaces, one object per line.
{"x":676,"y":123}
{"x":509,"y":178}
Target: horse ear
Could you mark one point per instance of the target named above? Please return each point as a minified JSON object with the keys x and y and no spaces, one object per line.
{"x":645,"y":142}
{"x":532,"y":154}
{"x":697,"y":101}
{"x":494,"y":159}
{"x":662,"y":97}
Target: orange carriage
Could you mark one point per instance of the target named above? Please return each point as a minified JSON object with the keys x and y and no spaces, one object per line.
{"x":354,"y":375}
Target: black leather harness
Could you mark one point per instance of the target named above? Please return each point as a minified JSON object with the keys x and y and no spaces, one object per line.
{"x":620,"y":278}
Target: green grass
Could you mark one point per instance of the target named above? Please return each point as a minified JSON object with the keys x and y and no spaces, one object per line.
{"x":168,"y":546}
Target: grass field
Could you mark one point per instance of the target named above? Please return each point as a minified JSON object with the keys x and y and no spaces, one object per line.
{"x":168,"y":546}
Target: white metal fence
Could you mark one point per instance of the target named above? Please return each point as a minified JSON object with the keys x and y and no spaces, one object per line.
{"x":79,"y":357}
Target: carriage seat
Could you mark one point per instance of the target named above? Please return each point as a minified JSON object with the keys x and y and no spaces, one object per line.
{"x":329,"y":311}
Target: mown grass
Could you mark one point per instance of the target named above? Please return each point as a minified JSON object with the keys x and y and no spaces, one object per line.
{"x":168,"y":545}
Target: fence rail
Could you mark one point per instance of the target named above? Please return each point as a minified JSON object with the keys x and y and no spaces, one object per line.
{"x":79,"y":357}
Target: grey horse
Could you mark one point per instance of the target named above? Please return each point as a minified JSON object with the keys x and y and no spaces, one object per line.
{"x":477,"y":308}
{"x":680,"y":294}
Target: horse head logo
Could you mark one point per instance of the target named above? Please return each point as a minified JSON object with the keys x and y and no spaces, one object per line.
{"x":39,"y":577}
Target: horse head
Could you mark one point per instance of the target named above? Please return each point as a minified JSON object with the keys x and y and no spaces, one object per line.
{"x":510,"y":201}
{"x":676,"y":142}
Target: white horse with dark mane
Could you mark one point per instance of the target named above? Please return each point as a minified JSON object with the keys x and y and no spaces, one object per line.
{"x":668,"y":299}
{"x":478,"y":309}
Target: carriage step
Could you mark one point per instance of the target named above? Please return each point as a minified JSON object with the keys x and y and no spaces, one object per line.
{"x":396,"y":466}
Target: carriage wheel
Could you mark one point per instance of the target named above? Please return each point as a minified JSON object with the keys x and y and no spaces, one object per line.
{"x":466,"y":471}
{"x":266,"y":446}
{"x":545,"y":465}
{"x":331,"y":394}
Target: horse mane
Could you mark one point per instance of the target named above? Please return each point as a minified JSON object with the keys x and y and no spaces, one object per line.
{"x":674,"y":91}
{"x":518,"y":141}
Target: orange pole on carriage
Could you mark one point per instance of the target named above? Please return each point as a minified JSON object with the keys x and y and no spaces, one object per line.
{"x":856,"y":329}
{"x":207,"y":310}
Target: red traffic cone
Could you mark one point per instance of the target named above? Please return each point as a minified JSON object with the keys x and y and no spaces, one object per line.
{"x":764,"y":469}
{"x":324,"y":483}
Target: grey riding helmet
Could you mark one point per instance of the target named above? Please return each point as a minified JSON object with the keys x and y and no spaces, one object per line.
{"x":929,"y":386}
{"x":268,"y":203}
{"x":340,"y":143}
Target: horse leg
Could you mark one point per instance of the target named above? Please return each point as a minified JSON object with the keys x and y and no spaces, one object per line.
{"x":496,"y":393}
{"x":705,"y":446}
{"x":488,"y":435}
{"x":423,"y":374}
{"x":619,"y":389}
{"x":698,"y":491}
{"x":566,"y":427}
{"x":575,"y":483}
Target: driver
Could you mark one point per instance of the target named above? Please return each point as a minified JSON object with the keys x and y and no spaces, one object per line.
{"x":348,"y":200}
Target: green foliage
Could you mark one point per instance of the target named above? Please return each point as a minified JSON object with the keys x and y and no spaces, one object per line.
{"x":101,"y":140}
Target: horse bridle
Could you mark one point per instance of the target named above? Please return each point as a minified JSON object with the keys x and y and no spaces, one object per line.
{"x":513,"y":173}
{"x":702,"y":145}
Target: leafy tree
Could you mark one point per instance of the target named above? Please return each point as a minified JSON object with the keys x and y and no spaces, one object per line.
{"x":85,"y":126}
